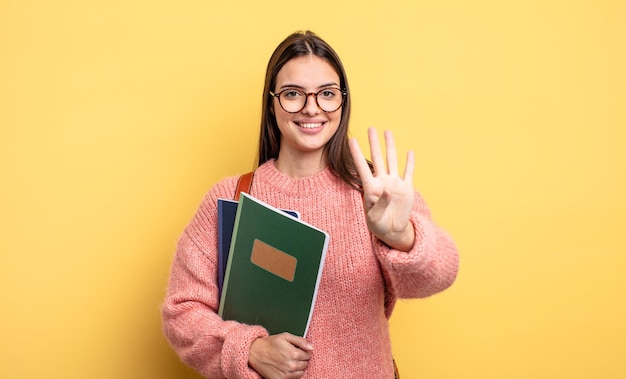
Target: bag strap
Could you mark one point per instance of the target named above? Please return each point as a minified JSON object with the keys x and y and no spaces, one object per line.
{"x":244,"y":184}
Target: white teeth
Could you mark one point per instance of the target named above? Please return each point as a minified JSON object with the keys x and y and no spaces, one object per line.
{"x":310,"y":125}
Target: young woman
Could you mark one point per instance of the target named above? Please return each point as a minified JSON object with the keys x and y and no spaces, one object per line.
{"x":383,"y":242}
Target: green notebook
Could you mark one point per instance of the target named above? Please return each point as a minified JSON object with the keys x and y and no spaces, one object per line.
{"x":273,"y":270}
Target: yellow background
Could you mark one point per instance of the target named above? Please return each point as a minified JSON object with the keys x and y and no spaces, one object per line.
{"x":117,"y":116}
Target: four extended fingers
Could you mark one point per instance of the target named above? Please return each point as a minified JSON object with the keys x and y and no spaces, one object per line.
{"x":377,"y":157}
{"x":378,"y":162}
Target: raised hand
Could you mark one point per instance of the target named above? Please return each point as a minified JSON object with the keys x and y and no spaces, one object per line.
{"x":280,"y":356}
{"x":388,"y":198}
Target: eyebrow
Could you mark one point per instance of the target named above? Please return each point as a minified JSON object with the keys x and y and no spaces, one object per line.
{"x":332,"y":84}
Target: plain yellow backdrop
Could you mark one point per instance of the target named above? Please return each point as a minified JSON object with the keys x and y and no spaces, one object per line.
{"x":117,"y":116}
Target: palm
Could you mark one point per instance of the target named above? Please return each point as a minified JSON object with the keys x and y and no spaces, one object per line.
{"x":388,"y":198}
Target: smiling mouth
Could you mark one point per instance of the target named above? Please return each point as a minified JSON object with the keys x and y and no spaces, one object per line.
{"x":310,"y":125}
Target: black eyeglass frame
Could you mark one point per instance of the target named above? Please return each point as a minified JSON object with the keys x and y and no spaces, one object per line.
{"x":344,"y":94}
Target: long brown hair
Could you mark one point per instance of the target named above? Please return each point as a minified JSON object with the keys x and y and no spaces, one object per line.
{"x":337,"y":151}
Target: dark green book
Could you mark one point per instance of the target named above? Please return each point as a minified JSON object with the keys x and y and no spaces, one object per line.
{"x":273,"y":270}
{"x":226,"y":213}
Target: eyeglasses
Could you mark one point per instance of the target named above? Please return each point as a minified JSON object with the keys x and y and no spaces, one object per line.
{"x":294,"y":100}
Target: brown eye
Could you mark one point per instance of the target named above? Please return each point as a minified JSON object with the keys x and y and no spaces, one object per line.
{"x":328,"y":93}
{"x":292,"y":94}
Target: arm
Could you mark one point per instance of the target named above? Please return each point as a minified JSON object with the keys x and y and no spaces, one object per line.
{"x":429,"y":267}
{"x":418,"y":258}
{"x":213,"y":347}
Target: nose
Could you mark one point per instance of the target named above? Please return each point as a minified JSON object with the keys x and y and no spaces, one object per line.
{"x":310,"y":105}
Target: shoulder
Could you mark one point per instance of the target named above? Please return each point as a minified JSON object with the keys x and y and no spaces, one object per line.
{"x":223,"y":189}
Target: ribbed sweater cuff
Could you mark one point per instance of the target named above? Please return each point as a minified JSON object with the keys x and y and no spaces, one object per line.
{"x":401,"y":261}
{"x":236,"y":349}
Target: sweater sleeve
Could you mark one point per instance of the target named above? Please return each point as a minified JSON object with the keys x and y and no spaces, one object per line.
{"x":213,"y":347}
{"x":429,"y":267}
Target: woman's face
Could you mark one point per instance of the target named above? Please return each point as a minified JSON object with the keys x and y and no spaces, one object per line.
{"x":307,"y":131}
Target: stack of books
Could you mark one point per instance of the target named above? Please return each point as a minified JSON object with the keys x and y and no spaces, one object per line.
{"x":269,"y":265}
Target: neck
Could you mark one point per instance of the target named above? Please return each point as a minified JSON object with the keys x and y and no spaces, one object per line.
{"x":300,"y":165}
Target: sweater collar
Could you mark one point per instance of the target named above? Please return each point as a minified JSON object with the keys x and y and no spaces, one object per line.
{"x":320,"y":181}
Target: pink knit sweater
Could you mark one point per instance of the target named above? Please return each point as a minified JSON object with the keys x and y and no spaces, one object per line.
{"x":360,"y":281}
